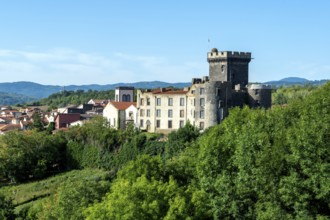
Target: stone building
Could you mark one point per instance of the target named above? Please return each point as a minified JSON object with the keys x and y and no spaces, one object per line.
{"x":207,"y":101}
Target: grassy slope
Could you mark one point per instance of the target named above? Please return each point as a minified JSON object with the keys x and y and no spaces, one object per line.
{"x":23,"y":194}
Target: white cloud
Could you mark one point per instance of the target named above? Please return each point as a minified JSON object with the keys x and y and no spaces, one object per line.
{"x":65,"y":66}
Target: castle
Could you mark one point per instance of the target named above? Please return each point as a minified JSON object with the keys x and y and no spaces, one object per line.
{"x":207,"y":101}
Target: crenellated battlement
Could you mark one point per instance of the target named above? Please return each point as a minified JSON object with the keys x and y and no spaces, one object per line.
{"x":259,"y":86}
{"x":215,"y":55}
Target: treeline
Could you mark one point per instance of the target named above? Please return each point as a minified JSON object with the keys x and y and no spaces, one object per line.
{"x":288,"y":94}
{"x":13,"y":99}
{"x":65,"y":98}
{"x":257,"y":164}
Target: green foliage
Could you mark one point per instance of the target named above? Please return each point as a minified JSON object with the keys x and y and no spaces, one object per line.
{"x":143,"y":190}
{"x":269,"y":164}
{"x":79,"y":195}
{"x":30,"y":155}
{"x":76,"y":97}
{"x":37,"y":122}
{"x":13,"y":99}
{"x":30,"y":199}
{"x":285,"y":95}
{"x":257,"y":164}
{"x":180,"y":139}
{"x":6,"y":208}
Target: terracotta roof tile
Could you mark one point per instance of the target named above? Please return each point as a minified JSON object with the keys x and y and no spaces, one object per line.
{"x":168,"y":91}
{"x":9,"y":127}
{"x":122,"y":105}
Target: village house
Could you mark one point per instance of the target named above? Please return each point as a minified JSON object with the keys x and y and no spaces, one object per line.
{"x":122,"y":111}
{"x":119,"y":114}
{"x":65,"y":120}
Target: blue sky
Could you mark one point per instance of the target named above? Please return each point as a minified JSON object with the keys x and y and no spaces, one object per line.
{"x":103,"y":42}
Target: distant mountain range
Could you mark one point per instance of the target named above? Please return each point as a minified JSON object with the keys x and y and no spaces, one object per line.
{"x":29,"y":91}
{"x":295,"y":81}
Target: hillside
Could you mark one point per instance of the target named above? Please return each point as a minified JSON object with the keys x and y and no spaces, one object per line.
{"x":256,"y":164}
{"x":13,"y":98}
{"x":42,"y":91}
{"x":289,"y":81}
{"x":32,"y":91}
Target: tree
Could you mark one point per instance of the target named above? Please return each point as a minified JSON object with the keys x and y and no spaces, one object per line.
{"x":37,"y":122}
{"x":26,"y":155}
{"x":180,"y":139}
{"x":269,"y":164}
{"x":6,"y":208}
{"x":72,"y":198}
{"x":143,"y":190}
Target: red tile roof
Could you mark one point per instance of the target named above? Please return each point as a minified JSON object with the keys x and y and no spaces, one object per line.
{"x":122,"y":105}
{"x":168,"y":91}
{"x":9,"y":127}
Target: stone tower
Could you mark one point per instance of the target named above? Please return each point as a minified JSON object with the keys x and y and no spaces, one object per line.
{"x":124,"y":94}
{"x":260,"y":95}
{"x":228,"y":66}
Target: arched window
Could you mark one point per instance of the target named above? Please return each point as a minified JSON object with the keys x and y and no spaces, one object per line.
{"x":126,"y":98}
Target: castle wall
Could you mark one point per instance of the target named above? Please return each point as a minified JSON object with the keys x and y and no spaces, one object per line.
{"x":240,"y":98}
{"x":260,"y":96}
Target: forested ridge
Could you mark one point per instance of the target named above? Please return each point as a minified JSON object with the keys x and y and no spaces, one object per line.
{"x":257,"y":164}
{"x":77,"y":97}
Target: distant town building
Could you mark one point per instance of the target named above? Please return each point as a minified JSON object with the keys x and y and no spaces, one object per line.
{"x":65,"y":120}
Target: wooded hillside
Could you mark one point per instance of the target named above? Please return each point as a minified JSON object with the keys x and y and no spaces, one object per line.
{"x":257,"y":164}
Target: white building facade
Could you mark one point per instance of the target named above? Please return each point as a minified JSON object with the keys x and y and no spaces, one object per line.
{"x":119,"y":114}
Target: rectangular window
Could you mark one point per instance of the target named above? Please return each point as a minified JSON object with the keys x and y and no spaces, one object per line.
{"x":170,"y":101}
{"x":192,"y":91}
{"x":221,"y":104}
{"x":141,"y":101}
{"x":148,"y":112}
{"x":202,"y":114}
{"x":194,"y":102}
{"x":148,"y":101}
{"x":202,"y":101}
{"x":181,"y":101}
{"x":158,"y":124}
{"x":201,"y":125}
{"x":181,"y":113}
{"x":218,"y":92}
{"x":141,"y":112}
{"x":170,"y":113}
{"x":169,"y":123}
{"x":158,"y":102}
{"x":158,"y":113}
{"x":181,"y":124}
{"x":141,"y":123}
{"x":201,"y":91}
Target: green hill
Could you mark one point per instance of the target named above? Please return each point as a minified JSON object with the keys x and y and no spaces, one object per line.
{"x":13,"y":99}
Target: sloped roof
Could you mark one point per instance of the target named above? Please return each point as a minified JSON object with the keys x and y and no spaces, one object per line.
{"x":122,"y":105}
{"x":9,"y":127}
{"x":168,"y":91}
